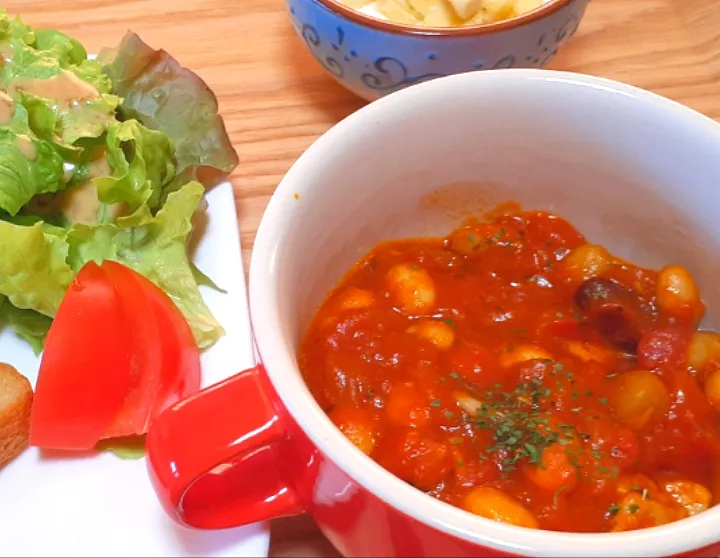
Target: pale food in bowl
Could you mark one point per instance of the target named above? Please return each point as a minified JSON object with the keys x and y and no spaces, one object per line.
{"x":444,"y":13}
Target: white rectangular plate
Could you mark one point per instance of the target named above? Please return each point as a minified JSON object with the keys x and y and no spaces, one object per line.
{"x":105,"y":506}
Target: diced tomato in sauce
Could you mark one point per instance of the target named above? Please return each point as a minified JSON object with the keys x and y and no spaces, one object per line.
{"x":518,"y":372}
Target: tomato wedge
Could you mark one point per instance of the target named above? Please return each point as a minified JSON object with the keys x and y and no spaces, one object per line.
{"x":180,"y":374}
{"x":119,"y":353}
{"x":166,"y":360}
{"x":146,"y":358}
{"x":83,"y":379}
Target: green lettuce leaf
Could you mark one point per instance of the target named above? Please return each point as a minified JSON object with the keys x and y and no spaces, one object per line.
{"x":154,"y":246}
{"x":89,"y":119}
{"x":205,"y":281}
{"x":66,"y":50}
{"x":164,"y":96}
{"x":28,"y":324}
{"x":131,"y":447}
{"x":54,"y":68}
{"x":141,"y":160}
{"x":76,"y":184}
{"x":28,"y":166}
{"x":34,"y":273}
{"x":15,"y":30}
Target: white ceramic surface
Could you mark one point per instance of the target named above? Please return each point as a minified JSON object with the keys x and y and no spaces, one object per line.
{"x":102,"y":505}
{"x":633,"y":171}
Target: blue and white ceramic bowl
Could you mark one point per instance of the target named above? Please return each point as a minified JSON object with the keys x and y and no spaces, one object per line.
{"x":372,"y":57}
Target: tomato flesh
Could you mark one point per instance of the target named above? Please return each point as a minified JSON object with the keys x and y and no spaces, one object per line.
{"x":146,"y":358}
{"x":119,"y":353}
{"x":83,"y":379}
{"x":180,"y":374}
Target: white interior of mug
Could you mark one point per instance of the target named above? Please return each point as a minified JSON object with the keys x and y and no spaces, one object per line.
{"x":632,"y":171}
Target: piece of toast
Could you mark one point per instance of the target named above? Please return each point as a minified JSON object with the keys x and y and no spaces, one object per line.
{"x":16,"y":397}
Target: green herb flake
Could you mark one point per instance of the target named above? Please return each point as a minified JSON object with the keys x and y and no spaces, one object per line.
{"x":450,"y":322}
{"x":613,"y":510}
{"x":435,"y":403}
{"x":633,"y":508}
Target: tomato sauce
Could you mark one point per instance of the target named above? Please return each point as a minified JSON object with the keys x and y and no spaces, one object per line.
{"x":516,"y":371}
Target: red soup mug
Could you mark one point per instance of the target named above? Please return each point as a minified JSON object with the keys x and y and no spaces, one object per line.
{"x":635,"y":172}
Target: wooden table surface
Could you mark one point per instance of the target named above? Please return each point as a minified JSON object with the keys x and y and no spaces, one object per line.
{"x":276,"y":100}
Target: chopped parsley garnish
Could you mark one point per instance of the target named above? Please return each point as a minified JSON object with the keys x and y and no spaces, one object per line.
{"x":435,"y":403}
{"x":450,"y":322}
{"x":613,"y":510}
{"x":518,"y":425}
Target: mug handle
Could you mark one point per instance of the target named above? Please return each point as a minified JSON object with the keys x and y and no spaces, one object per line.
{"x":213,"y":457}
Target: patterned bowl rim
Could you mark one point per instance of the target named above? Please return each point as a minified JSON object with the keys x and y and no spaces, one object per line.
{"x":547,"y":8}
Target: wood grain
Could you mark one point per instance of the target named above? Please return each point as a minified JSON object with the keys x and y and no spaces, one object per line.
{"x":276,"y":99}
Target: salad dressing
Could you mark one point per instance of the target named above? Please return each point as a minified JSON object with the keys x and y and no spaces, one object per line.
{"x":26,"y":146}
{"x":99,"y":167}
{"x":6,"y":52}
{"x":81,"y":204}
{"x":65,"y":88}
{"x":6,"y":109}
{"x":73,"y":138}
